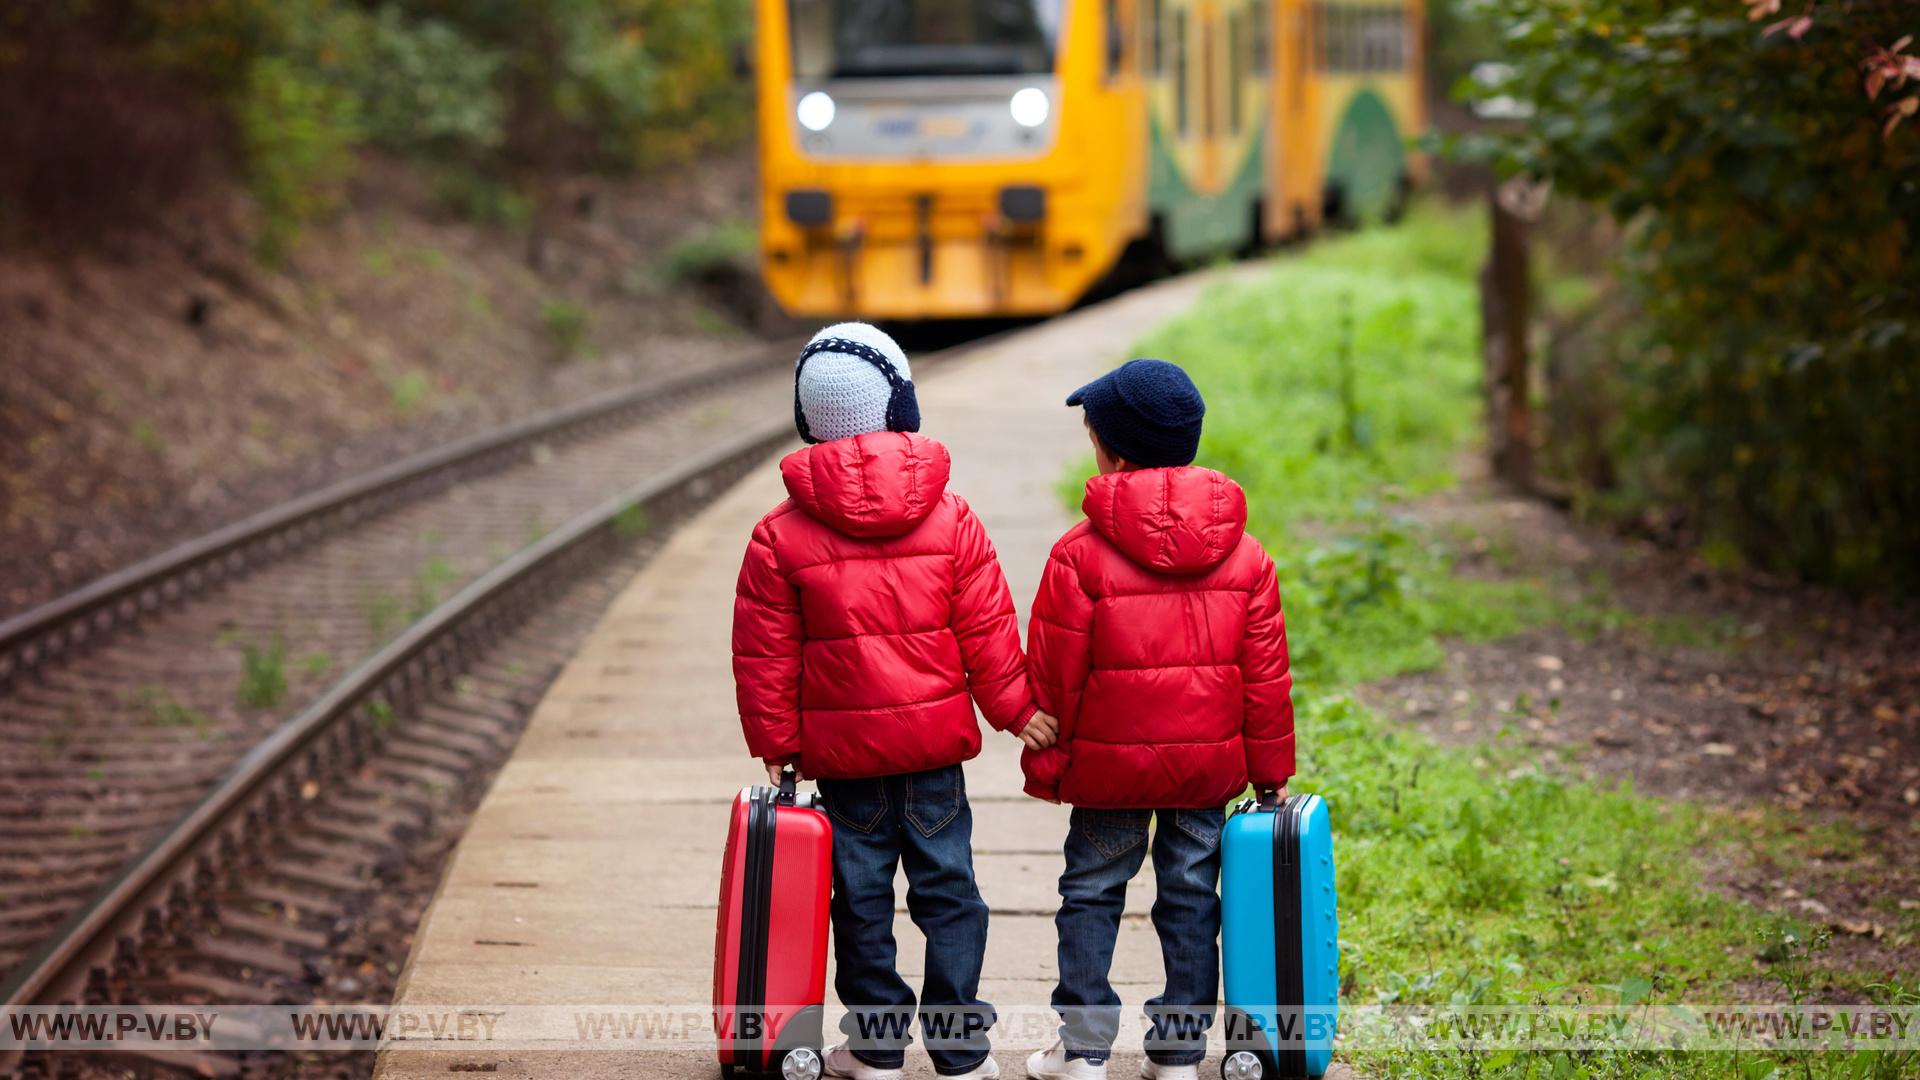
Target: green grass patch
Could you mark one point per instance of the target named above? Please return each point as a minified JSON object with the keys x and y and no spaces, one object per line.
{"x":569,"y":327}
{"x":1340,"y":385}
{"x":263,"y":674}
{"x":721,"y":249}
{"x":162,"y":710}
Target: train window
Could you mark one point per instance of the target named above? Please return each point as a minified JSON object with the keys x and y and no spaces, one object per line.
{"x":1156,"y":26}
{"x":1322,"y":57}
{"x":1325,"y":35}
{"x":1180,"y":109}
{"x":1262,"y":43}
{"x":849,"y":39}
{"x":1386,"y":39}
{"x":1116,"y":31}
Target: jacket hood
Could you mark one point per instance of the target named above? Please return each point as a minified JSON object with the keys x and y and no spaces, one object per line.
{"x":1181,"y":520}
{"x":880,"y":484}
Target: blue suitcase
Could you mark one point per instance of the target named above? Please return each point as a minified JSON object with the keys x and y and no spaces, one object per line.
{"x":1279,"y":940}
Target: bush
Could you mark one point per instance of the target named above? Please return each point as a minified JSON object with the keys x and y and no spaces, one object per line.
{"x":718,"y":253}
{"x":298,"y":133}
{"x":568,"y":326}
{"x":1766,"y":402}
{"x":427,"y":90}
{"x":483,"y":90}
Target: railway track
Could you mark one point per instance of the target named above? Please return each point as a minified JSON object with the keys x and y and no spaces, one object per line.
{"x":192,"y":849}
{"x":126,"y":704}
{"x":127,"y":700}
{"x":248,"y":897}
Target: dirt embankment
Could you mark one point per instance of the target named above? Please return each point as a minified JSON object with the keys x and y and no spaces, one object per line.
{"x":1724,"y":687}
{"x":163,"y":381}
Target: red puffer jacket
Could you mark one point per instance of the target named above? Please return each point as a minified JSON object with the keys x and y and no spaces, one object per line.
{"x":1157,"y":640}
{"x":869,"y":604}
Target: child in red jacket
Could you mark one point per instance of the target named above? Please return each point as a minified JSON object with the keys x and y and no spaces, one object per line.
{"x":870,"y":616}
{"x":1157,"y":640}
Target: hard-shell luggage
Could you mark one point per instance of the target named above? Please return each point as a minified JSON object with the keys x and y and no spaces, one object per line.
{"x":770,"y":950}
{"x":1279,"y":940}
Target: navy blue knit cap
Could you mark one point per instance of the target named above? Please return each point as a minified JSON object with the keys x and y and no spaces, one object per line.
{"x":1146,"y":412}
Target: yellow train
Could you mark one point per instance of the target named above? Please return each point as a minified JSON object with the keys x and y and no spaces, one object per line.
{"x":925,"y":159}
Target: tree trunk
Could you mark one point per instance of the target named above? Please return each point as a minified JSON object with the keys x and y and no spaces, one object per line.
{"x":1505,"y":314}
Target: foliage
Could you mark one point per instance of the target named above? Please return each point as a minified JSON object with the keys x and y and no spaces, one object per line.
{"x":1459,"y":36}
{"x":1766,"y":404}
{"x":568,"y":324}
{"x":298,"y":134}
{"x":497,"y":94}
{"x":426,"y":88}
{"x":711,"y":252}
{"x":263,"y":674}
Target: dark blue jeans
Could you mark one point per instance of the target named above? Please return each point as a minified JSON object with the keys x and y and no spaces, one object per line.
{"x":921,"y":820}
{"x":1105,"y":848}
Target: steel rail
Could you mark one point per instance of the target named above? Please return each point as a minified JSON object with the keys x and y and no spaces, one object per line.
{"x":89,"y":614}
{"x":159,"y":886}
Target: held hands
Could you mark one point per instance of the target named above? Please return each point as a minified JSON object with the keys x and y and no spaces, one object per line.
{"x":1040,"y":731}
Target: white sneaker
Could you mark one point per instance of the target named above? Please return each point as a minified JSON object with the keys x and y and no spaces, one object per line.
{"x":1052,"y":1064}
{"x":839,"y":1061}
{"x":1151,"y":1071}
{"x":988,"y":1069}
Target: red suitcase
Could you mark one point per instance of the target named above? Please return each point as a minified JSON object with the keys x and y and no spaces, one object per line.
{"x":770,"y":951}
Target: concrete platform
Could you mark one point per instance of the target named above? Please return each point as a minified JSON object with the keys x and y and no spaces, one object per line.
{"x":590,"y":873}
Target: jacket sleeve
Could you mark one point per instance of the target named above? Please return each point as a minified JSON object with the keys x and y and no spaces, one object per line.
{"x":983,"y":620}
{"x":767,"y":635}
{"x":1059,"y":657}
{"x":1268,"y":685}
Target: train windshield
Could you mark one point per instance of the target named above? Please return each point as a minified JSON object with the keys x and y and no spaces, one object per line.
{"x":851,"y":39}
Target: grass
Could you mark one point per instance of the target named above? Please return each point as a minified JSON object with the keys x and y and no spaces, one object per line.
{"x":163,"y":711}
{"x":408,"y":392}
{"x":431,"y":583}
{"x":1338,"y":387}
{"x":263,"y":674}
{"x":148,"y":436}
{"x":721,"y":248}
{"x":385,"y":613}
{"x":569,"y":326}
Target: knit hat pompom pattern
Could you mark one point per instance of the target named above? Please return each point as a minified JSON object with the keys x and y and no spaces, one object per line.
{"x":1147,"y":412}
{"x":852,"y":379}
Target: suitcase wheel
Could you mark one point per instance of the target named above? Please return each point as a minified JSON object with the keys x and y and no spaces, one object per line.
{"x":801,"y":1063}
{"x":1241,"y":1065}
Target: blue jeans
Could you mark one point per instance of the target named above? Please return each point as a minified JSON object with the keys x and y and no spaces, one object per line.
{"x":920,"y":819}
{"x":1105,"y":848}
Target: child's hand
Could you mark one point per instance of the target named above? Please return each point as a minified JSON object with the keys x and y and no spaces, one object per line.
{"x":1040,"y":731}
{"x":774,"y":771}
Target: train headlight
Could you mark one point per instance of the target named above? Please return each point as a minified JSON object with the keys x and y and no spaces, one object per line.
{"x":815,"y":111}
{"x":1029,"y":107}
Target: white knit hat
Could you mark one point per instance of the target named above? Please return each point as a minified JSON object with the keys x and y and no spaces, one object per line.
{"x":838,"y":394}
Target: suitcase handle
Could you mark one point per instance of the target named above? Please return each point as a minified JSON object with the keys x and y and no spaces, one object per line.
{"x":1263,"y":801}
{"x":789,"y":779}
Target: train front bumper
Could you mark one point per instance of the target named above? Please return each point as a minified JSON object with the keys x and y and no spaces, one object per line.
{"x":953,"y":253}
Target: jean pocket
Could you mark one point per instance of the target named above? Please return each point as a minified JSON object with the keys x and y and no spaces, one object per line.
{"x":934,"y":799}
{"x":1202,"y":825}
{"x":1112,"y":833}
{"x":857,"y":804}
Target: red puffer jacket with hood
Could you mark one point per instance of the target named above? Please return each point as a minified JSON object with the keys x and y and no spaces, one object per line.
{"x":1157,"y":640}
{"x":869,"y":606}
